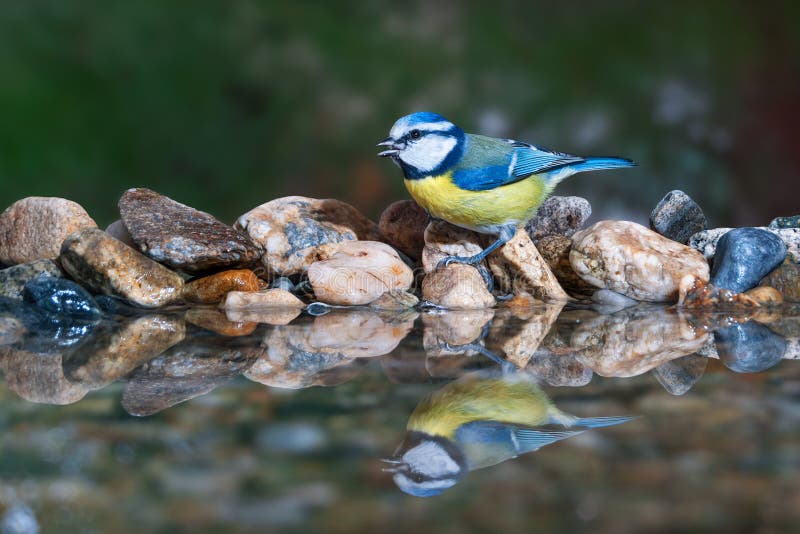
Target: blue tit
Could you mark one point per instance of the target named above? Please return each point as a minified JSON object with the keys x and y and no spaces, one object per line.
{"x":492,"y":186}
{"x":477,"y":421}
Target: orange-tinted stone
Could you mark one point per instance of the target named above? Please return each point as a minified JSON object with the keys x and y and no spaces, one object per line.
{"x":213,"y":288}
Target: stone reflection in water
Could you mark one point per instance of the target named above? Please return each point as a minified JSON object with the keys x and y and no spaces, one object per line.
{"x":482,"y":419}
{"x":39,"y":377}
{"x":749,"y":348}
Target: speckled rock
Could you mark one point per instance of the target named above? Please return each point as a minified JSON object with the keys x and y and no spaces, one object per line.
{"x":443,"y":334}
{"x":358,"y":273}
{"x":749,"y":348}
{"x":523,"y":340}
{"x":117,"y":230}
{"x":678,"y":217}
{"x":13,"y":279}
{"x":555,"y":251}
{"x":33,"y":228}
{"x":297,"y":231}
{"x":271,"y":298}
{"x":559,"y":369}
{"x":786,"y":279}
{"x":106,"y":265}
{"x":518,"y":268}
{"x":182,"y":237}
{"x":215,"y":320}
{"x":39,"y":377}
{"x":559,"y":216}
{"x":744,"y":256}
{"x":679,"y":375}
{"x":402,"y":225}
{"x":213,"y":288}
{"x":61,"y":297}
{"x":456,"y":286}
{"x":706,"y":242}
{"x":785,"y":222}
{"x":395,"y":300}
{"x":633,"y":260}
{"x":444,"y":239}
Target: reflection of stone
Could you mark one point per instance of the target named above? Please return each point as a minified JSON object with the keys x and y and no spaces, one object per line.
{"x":187,"y":370}
{"x":750,"y":347}
{"x":118,"y":349}
{"x":521,"y":339}
{"x":633,"y":341}
{"x":679,"y":375}
{"x":216,"y":321}
{"x":453,"y":328}
{"x":559,"y":369}
{"x":39,"y":377}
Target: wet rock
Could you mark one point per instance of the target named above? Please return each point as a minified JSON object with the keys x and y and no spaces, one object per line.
{"x":120,"y":348}
{"x":698,"y":294}
{"x":182,"y":237}
{"x":283,"y":283}
{"x":680,"y":375}
{"x":749,"y":348}
{"x":706,"y":242}
{"x":186,"y":371}
{"x":216,"y":321}
{"x":444,"y":239}
{"x":273,"y":316}
{"x":13,"y":279}
{"x":298,"y":231}
{"x":786,"y":279}
{"x":106,"y":265}
{"x":358,"y":273}
{"x":402,"y":225}
{"x":271,"y":298}
{"x":785,"y":222}
{"x":744,"y":256}
{"x":608,"y":301}
{"x":559,"y":369}
{"x":33,"y":228}
{"x":678,"y":217}
{"x":457,"y":286}
{"x":213,"y":288}
{"x":117,"y":230}
{"x":630,"y":342}
{"x":38,"y":377}
{"x":520,"y":269}
{"x":630,"y":259}
{"x":45,"y":332}
{"x":765,"y":296}
{"x":111,"y":306}
{"x":559,"y":216}
{"x":395,"y":300}
{"x":555,"y":251}
{"x":11,"y":330}
{"x":61,"y":297}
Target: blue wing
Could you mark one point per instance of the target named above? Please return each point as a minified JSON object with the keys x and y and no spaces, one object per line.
{"x":528,"y":159}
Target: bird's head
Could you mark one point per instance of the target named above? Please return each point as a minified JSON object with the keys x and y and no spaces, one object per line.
{"x":423,"y":144}
{"x":424,"y":466}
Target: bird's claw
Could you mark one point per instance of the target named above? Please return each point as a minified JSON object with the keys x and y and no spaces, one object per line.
{"x":450,"y":260}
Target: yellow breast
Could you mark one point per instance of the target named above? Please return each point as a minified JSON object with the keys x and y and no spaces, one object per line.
{"x":478,"y":210}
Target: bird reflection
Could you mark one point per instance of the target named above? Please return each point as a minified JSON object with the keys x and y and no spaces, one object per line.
{"x":482,"y":419}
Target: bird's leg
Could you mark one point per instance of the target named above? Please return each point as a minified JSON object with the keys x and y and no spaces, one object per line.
{"x":505,"y":234}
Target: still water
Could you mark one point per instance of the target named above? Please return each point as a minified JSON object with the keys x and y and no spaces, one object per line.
{"x":515,"y":419}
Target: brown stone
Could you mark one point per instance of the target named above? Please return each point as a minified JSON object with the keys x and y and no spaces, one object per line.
{"x":183,"y":237}
{"x":106,"y":265}
{"x":395,"y":300}
{"x":444,"y":239}
{"x":271,"y":298}
{"x":444,"y":333}
{"x":117,"y":230}
{"x":521,"y":339}
{"x":402,"y":225}
{"x":213,"y":288}
{"x":555,"y":251}
{"x":786,"y":279}
{"x":216,"y":321}
{"x":33,"y":228}
{"x":457,"y":286}
{"x":39,"y":377}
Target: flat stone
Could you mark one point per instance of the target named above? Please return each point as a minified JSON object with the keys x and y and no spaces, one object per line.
{"x":61,"y":297}
{"x":402,"y":225}
{"x":33,"y":228}
{"x":13,"y":279}
{"x":182,"y":237}
{"x":358,"y":273}
{"x":744,"y":256}
{"x":38,"y":377}
{"x":559,"y":216}
{"x":106,"y":265}
{"x":785,"y":222}
{"x":786,"y":279}
{"x":457,"y":286}
{"x":216,"y":321}
{"x":749,"y":348}
{"x":444,"y":239}
{"x":679,"y":375}
{"x":395,"y":300}
{"x":706,"y":241}
{"x":555,"y":251}
{"x":117,"y":230}
{"x":271,"y":298}
{"x":213,"y":288}
{"x":678,"y":217}
{"x":298,"y":231}
{"x":630,"y":259}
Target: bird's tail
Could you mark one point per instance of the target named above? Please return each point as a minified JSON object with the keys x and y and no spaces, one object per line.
{"x":599,"y":164}
{"x":598,"y":422}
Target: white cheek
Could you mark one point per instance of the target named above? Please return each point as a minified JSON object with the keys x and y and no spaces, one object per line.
{"x":429,"y":152}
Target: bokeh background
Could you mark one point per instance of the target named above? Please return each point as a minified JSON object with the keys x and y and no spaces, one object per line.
{"x":225,"y":105}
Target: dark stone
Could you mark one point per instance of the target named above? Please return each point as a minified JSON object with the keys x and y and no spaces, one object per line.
{"x":61,"y":297}
{"x":749,"y":348}
{"x":785,"y":222}
{"x":786,"y":279}
{"x":559,"y":216}
{"x":183,"y":237}
{"x":111,"y":305}
{"x":13,"y":279}
{"x":744,"y":256}
{"x":678,"y":217}
{"x":679,"y":375}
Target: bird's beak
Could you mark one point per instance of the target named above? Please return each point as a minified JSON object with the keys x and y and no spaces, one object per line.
{"x":390,"y":142}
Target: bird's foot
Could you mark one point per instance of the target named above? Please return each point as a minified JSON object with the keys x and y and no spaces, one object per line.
{"x":469,"y":260}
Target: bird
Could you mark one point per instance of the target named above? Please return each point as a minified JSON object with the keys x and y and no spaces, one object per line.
{"x":482,"y":419}
{"x":485,"y":184}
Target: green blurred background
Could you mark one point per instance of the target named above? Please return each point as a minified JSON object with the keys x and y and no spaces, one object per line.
{"x":225,"y":105}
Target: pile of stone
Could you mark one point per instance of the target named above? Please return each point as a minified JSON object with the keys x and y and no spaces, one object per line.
{"x":294,"y":251}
